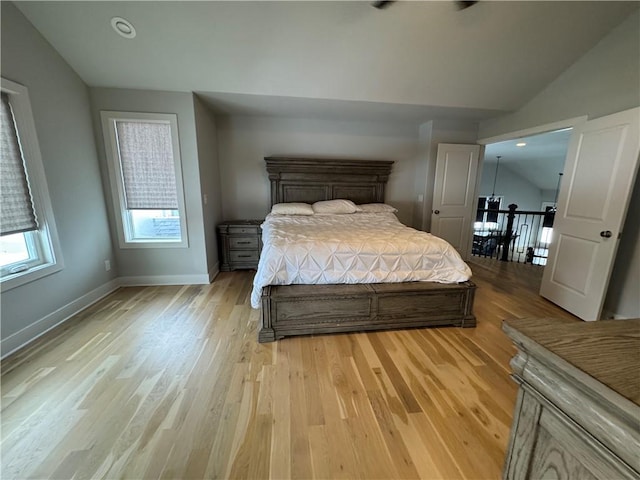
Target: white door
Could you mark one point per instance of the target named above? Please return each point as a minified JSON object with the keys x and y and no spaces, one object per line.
{"x":599,"y":174}
{"x":454,"y":194}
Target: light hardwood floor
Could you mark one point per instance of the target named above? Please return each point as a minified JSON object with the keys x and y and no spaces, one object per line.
{"x":170,"y":382}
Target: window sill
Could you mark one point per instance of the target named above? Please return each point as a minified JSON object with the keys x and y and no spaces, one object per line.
{"x":17,"y":279}
{"x":154,"y":244}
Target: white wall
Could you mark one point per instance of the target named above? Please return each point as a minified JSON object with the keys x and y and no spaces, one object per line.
{"x":244,"y":141}
{"x":510,"y":186}
{"x":60,"y":103}
{"x":159,"y":265}
{"x":548,"y":195}
{"x":207,"y":138}
{"x":623,"y":297}
{"x":425,"y":132}
{"x":605,"y":80}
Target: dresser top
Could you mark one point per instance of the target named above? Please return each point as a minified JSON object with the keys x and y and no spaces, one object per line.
{"x":242,"y":222}
{"x":606,"y":350}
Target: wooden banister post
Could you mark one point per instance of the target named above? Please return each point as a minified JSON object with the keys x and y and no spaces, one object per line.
{"x":508,"y":234}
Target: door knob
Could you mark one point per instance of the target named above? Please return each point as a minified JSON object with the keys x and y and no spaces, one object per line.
{"x":436,"y":212}
{"x":606,"y":234}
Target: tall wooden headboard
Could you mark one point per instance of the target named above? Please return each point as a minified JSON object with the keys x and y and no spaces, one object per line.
{"x":310,"y":180}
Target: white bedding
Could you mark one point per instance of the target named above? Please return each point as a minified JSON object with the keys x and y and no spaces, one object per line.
{"x":356,"y":248}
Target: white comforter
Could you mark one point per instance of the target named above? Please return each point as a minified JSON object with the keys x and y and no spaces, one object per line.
{"x":356,"y":248}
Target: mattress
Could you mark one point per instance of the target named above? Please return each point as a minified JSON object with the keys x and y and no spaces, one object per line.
{"x":354,"y":248}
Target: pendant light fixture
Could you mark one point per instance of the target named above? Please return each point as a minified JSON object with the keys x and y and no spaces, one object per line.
{"x":493,"y":204}
{"x":550,"y":214}
{"x":555,"y":200}
{"x":495,"y":178}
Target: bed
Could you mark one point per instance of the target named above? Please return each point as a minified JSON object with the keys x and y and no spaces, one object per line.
{"x":307,"y":308}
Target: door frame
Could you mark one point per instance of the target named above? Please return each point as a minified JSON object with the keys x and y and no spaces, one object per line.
{"x":465,"y":248}
{"x":527,"y":132}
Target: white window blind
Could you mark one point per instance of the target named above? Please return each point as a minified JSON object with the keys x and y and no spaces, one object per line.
{"x":16,"y":206}
{"x":148,"y":169}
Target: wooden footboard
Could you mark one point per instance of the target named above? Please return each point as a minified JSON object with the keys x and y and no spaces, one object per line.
{"x":309,"y":309}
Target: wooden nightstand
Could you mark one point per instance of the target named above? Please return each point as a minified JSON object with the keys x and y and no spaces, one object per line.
{"x":240,"y":244}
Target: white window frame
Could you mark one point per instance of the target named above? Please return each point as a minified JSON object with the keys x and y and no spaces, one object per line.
{"x":45,"y":240}
{"x":109,"y":119}
{"x":484,"y":225}
{"x":546,"y":233}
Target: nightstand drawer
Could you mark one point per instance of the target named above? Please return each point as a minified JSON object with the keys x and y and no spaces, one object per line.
{"x":243,"y":243}
{"x":242,"y":256}
{"x":251,"y":230}
{"x":240,"y":244}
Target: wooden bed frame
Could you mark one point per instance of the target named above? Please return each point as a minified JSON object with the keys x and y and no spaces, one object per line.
{"x":309,"y":309}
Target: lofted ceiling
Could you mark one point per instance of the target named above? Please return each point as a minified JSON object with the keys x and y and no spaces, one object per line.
{"x":539,"y":161}
{"x":413,"y":61}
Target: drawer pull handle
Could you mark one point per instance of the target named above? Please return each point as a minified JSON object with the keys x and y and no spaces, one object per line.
{"x":244,"y":256}
{"x":244,"y":243}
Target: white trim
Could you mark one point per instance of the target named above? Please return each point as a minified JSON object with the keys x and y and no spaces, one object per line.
{"x":153,"y":243}
{"x":213,"y":273}
{"x":156,"y":280}
{"x":52,"y":253}
{"x":34,"y":331}
{"x":608,"y":315}
{"x":527,"y":132}
{"x":108,"y":119}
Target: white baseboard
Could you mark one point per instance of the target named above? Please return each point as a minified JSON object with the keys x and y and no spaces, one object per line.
{"x":213,"y":273}
{"x":154,"y":280}
{"x":38,"y":328}
{"x":30,"y":333}
{"x":607,"y":315}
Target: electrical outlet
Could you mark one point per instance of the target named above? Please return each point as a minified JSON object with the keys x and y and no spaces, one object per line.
{"x":420,"y":198}
{"x":205,"y":198}
{"x":107,"y":265}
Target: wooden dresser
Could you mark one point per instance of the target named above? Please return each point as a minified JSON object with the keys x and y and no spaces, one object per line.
{"x":577,"y":414}
{"x":240,"y":244}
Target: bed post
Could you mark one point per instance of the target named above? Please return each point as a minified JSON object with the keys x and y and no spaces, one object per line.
{"x":274,"y":178}
{"x":468,"y":318}
{"x":266,"y":332}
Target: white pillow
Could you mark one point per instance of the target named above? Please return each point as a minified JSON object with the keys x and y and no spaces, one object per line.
{"x":377,"y":208}
{"x":335,"y":206}
{"x":292,"y":209}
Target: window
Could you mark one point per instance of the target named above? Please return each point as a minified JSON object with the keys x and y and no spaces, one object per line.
{"x":487,"y":213}
{"x":146,"y":178}
{"x":29,"y":247}
{"x":549,"y":210}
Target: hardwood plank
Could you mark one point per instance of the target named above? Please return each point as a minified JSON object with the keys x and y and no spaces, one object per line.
{"x":408,"y":400}
{"x":280,"y":464}
{"x":313,"y":400}
{"x":342,"y":460}
{"x":372,"y":455}
{"x":300,"y":453}
{"x":320,"y":455}
{"x":394,"y":440}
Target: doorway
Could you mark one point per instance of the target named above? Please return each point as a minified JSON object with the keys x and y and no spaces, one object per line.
{"x":524,"y":171}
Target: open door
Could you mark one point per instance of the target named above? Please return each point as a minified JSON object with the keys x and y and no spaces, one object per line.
{"x":599,"y":174}
{"x":454,"y":194}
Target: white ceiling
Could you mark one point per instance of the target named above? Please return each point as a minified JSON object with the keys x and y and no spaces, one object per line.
{"x":413,"y":61}
{"x":539,"y":161}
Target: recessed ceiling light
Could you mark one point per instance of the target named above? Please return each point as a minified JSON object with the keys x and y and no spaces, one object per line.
{"x":123,"y":27}
{"x":521,"y":144}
